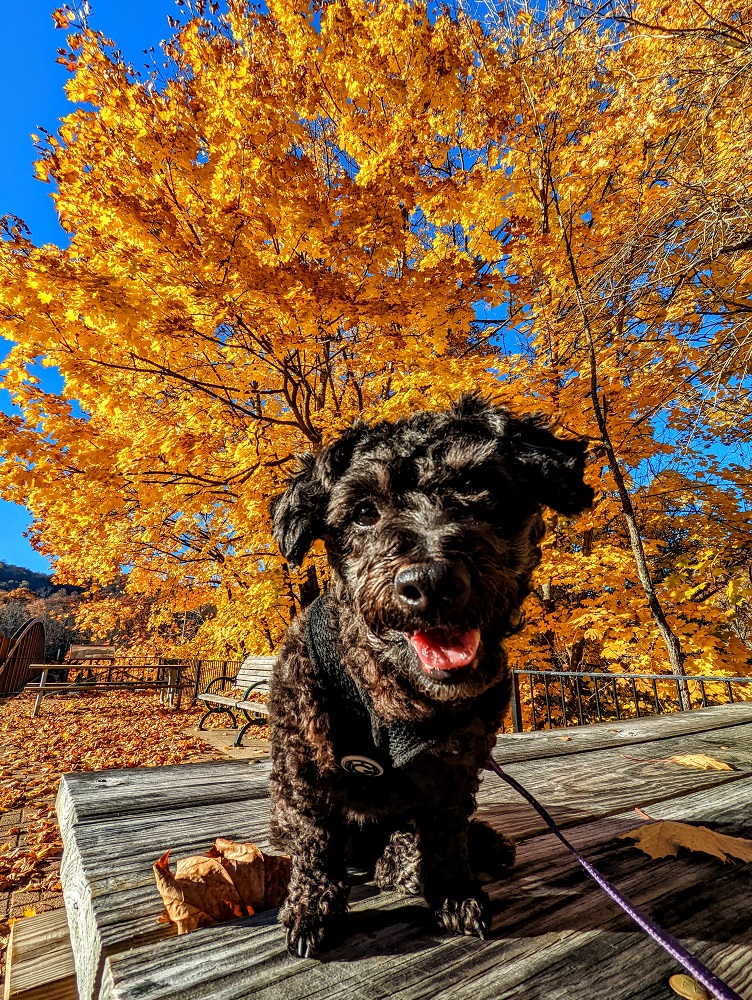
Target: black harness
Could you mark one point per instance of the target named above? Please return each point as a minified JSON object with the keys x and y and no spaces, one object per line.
{"x":363,"y":744}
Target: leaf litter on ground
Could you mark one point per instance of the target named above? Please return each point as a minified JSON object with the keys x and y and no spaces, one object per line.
{"x":89,"y":732}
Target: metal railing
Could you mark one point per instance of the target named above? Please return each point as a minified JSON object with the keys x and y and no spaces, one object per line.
{"x":541,"y":699}
{"x":549,"y":699}
{"x":209,"y":670}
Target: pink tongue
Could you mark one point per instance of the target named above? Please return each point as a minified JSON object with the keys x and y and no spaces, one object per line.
{"x":439,"y":650}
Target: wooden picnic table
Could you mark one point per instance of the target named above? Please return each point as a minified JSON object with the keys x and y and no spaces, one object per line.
{"x":169,"y":684}
{"x":555,"y":934}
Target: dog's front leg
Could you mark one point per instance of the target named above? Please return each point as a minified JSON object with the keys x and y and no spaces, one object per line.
{"x":317,"y":893}
{"x":456,"y":899}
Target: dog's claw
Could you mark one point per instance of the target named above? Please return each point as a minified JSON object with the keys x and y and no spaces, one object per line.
{"x":302,"y":944}
{"x":304,"y":948}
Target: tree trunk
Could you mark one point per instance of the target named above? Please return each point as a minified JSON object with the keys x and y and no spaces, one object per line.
{"x":676,"y":655}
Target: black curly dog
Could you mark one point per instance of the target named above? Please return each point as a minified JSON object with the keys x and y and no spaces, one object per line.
{"x":389,"y":691}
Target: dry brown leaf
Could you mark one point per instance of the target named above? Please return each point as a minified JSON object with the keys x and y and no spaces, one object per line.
{"x":665,"y":838}
{"x":199,"y":894}
{"x":261,"y":879}
{"x":244,"y":863}
{"x":701,"y":761}
{"x":231,"y":880}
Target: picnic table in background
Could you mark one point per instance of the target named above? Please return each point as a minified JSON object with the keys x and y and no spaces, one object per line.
{"x":554,"y":932}
{"x":99,"y":669}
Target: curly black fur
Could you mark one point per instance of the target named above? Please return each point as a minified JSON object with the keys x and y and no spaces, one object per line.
{"x":452,"y":500}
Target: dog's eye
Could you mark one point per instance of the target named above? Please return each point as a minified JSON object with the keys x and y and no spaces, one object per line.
{"x":366,"y":514}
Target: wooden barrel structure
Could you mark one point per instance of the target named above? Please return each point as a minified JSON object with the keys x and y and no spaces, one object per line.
{"x":26,"y":647}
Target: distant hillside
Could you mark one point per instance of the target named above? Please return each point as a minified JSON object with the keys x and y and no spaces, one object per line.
{"x":12,"y":577}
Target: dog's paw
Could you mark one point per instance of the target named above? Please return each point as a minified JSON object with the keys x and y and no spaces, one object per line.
{"x":398,"y":867}
{"x":490,"y":851}
{"x":304,"y":934}
{"x":468,"y":915}
{"x":308,"y":913}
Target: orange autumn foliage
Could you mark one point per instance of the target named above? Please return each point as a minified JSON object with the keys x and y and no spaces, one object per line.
{"x":356,"y":209}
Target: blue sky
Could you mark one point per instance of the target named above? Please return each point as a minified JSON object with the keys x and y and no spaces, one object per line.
{"x":32,"y":82}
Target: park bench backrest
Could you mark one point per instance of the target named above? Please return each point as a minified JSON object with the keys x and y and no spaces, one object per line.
{"x":254,"y":669}
{"x":78,"y":653}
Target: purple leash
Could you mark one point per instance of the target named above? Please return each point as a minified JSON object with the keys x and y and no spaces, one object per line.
{"x":693,"y":965}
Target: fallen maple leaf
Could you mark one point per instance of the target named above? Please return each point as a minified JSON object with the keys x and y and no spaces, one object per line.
{"x":278,"y":870}
{"x":261,"y":879}
{"x":199,"y":894}
{"x":231,"y":880}
{"x":701,"y":761}
{"x":244,"y":863}
{"x":664,"y":839}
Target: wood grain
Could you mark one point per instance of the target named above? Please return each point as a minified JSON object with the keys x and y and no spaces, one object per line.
{"x":39,"y":965}
{"x":115,"y":824}
{"x":574,"y":739}
{"x":555,"y":934}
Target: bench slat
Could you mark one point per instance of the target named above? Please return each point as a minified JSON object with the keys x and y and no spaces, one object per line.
{"x":109,"y":685}
{"x":218,"y":699}
{"x":254,"y":669}
{"x":39,"y":965}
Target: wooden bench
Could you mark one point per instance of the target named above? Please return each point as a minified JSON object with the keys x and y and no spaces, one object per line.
{"x":254,"y":672}
{"x":39,"y":964}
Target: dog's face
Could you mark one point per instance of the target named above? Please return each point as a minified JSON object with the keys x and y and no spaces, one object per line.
{"x":432,"y":526}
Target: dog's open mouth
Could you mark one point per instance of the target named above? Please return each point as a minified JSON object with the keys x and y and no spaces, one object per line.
{"x":442,"y":654}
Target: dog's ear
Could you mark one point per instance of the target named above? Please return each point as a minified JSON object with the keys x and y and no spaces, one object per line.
{"x":551,"y":468}
{"x":299,"y":514}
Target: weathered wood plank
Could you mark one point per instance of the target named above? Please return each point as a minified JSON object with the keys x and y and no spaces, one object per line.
{"x":118,"y":823}
{"x":578,"y":787}
{"x":574,"y":739}
{"x":113,"y":910}
{"x":555,"y":933}
{"x":88,"y":796}
{"x":575,"y":789}
{"x":108,"y":882}
{"x":39,"y":964}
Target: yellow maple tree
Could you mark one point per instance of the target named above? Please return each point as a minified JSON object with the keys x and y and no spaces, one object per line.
{"x":353,"y":208}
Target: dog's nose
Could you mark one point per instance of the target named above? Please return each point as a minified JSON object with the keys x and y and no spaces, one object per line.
{"x":434,"y":586}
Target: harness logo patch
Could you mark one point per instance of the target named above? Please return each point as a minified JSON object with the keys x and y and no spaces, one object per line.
{"x":363,"y":766}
